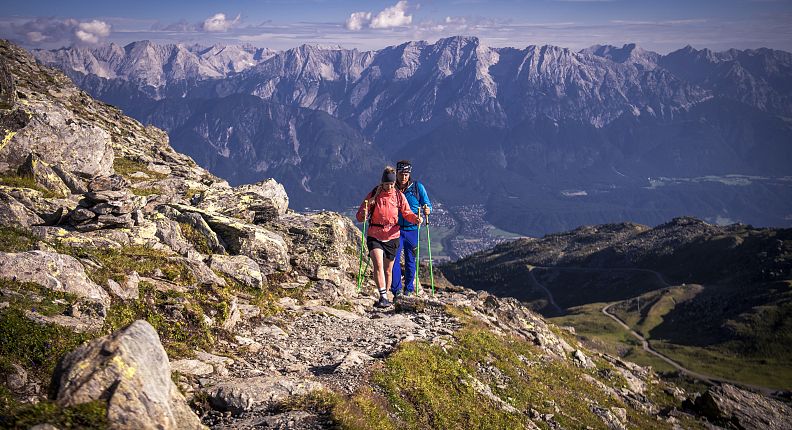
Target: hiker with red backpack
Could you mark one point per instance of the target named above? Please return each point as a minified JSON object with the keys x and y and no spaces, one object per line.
{"x":382,"y":207}
{"x":416,"y":196}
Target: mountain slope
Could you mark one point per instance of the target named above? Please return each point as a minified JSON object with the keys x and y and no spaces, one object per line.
{"x":320,"y":160}
{"x":730,"y":284}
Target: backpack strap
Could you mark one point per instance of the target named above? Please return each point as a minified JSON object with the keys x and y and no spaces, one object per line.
{"x":374,"y":193}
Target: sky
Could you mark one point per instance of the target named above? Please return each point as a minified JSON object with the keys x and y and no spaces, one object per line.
{"x":657,"y":25}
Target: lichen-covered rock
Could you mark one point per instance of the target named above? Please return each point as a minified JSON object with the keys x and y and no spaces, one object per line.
{"x":323,"y":247}
{"x":75,"y":183}
{"x":255,"y":203}
{"x":239,"y":267}
{"x":197,"y":222}
{"x":170,"y":234}
{"x":44,"y":175}
{"x":53,"y":135}
{"x":129,"y":289}
{"x":727,"y":404}
{"x":266,"y":248}
{"x":129,"y":369}
{"x":51,"y":270}
{"x":15,"y":214}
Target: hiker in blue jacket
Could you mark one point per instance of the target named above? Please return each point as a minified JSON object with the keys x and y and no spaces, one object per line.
{"x":408,"y":236}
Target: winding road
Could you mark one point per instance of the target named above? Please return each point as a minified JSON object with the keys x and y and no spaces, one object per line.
{"x":707,"y":379}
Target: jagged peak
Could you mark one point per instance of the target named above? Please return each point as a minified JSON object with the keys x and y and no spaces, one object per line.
{"x":459,"y":39}
{"x":628,"y":51}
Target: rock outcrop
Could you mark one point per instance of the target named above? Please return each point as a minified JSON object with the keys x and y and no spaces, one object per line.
{"x":130,"y":371}
{"x":53,"y":271}
{"x":253,"y":203}
{"x":735,"y":408}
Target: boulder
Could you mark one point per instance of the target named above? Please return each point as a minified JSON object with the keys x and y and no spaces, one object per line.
{"x":52,"y":133}
{"x":239,"y":267}
{"x":255,"y":203}
{"x":727,"y":404}
{"x":324,"y":247}
{"x":15,"y":214}
{"x":170,"y":233}
{"x":266,"y":248}
{"x":184,"y":215}
{"x":130,"y":371}
{"x":74,"y":182}
{"x":241,"y":395}
{"x":44,"y":175}
{"x":192,"y":367}
{"x":51,"y":270}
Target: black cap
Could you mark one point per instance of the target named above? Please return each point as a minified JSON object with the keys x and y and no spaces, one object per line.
{"x":388,"y":177}
{"x":404,"y":166}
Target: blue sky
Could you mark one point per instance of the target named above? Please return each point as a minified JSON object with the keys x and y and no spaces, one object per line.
{"x":281,"y":24}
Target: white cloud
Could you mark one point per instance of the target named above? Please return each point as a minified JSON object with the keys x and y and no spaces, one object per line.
{"x":95,"y":27}
{"x":357,"y":20}
{"x":86,"y":37}
{"x":393,"y":16}
{"x":56,"y":32}
{"x":219,"y":23}
{"x":91,"y":32}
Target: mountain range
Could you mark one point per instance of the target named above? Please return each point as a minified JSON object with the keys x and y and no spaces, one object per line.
{"x":545,"y":137}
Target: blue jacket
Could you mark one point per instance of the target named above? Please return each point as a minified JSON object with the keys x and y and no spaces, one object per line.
{"x":416,"y":197}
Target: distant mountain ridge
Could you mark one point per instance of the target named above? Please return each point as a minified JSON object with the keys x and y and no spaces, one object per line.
{"x":519,"y":127}
{"x":156,"y":65}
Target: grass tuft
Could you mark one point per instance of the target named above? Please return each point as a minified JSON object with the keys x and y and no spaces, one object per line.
{"x":126,"y":167}
{"x":91,"y":415}
{"x":15,"y":240}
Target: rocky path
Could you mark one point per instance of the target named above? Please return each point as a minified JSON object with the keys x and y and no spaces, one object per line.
{"x":310,"y":346}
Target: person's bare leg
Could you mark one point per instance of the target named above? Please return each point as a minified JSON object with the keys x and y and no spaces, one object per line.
{"x":388,"y":273}
{"x":377,"y":256}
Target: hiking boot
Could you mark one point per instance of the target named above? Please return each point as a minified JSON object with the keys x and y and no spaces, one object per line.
{"x":409,"y":293}
{"x":396,"y":294}
{"x":383,"y":302}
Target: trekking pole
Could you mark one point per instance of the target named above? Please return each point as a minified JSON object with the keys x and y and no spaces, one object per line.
{"x":362,"y":240}
{"x":418,"y":262}
{"x":429,"y":245}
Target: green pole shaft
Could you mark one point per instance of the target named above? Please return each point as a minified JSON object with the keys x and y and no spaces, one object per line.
{"x":429,"y":244}
{"x":362,"y":241}
{"x":418,"y":263}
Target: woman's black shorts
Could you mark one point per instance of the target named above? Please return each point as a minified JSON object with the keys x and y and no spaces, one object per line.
{"x":389,"y":247}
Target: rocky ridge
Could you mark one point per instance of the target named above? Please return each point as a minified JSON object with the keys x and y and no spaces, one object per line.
{"x":139,"y":262}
